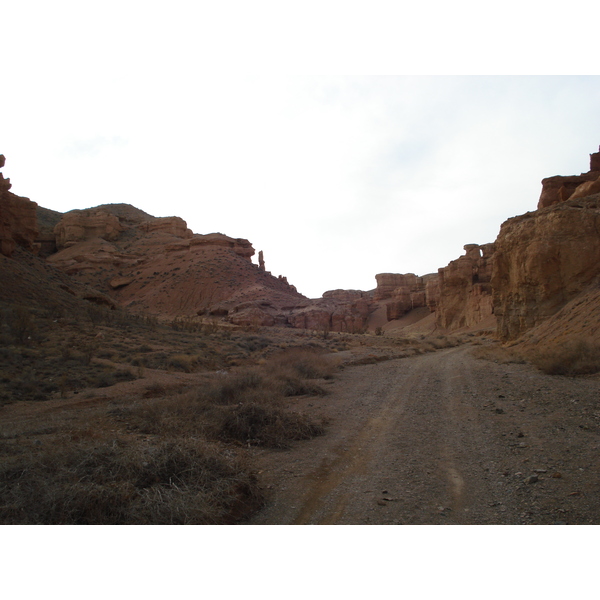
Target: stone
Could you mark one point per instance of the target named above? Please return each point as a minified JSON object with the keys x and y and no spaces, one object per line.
{"x":586,"y":189}
{"x":539,"y":266}
{"x":119,"y":282}
{"x":18,"y":219}
{"x":175,"y":226}
{"x":240,"y":246}
{"x":561,"y":188}
{"x":337,"y":310}
{"x":402,"y":293}
{"x":465,"y":289}
{"x":82,"y":225}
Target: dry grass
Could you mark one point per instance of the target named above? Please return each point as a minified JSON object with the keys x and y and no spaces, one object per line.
{"x":179,"y":481}
{"x":573,"y":357}
{"x":304,"y":363}
{"x":498,"y":354}
{"x":247,"y":406}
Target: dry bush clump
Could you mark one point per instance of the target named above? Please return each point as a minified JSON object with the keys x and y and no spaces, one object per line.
{"x":573,"y":357}
{"x":498,"y":354}
{"x":442,"y":341}
{"x":267,"y":425}
{"x":247,"y":406}
{"x":304,"y":363}
{"x":180,"y":481}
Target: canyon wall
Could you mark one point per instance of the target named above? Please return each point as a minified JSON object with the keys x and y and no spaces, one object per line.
{"x":465,"y":289}
{"x":543,"y":259}
{"x":402,"y":293}
{"x":560,"y":188}
{"x":18,"y":220}
{"x":546,"y":258}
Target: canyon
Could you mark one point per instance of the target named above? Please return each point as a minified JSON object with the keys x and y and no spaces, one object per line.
{"x":541,"y":262}
{"x":152,"y":375}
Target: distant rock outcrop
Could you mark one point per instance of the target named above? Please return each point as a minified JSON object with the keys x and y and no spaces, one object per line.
{"x":159,"y":266}
{"x":18,"y":220}
{"x":337,"y":310}
{"x":172,"y":225}
{"x":560,"y":188}
{"x":83,"y":225}
{"x":465,"y":289}
{"x":543,"y":259}
{"x":405,"y":292}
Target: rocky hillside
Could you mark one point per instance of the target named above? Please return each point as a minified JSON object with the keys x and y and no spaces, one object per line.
{"x":159,"y":266}
{"x":121,"y":255}
{"x":541,"y":263}
{"x":539,"y":266}
{"x":18,"y":221}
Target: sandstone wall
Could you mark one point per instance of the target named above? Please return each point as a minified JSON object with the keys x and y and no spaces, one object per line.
{"x":172,"y":225}
{"x":338,"y":310}
{"x":82,"y":225}
{"x":405,"y":292}
{"x":560,"y":188}
{"x":465,"y":289}
{"x":544,"y":259}
{"x":18,"y":220}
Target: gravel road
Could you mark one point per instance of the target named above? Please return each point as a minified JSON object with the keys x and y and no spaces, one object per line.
{"x":442,"y":438}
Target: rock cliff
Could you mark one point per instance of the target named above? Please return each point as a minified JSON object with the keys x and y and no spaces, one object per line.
{"x":402,"y":293}
{"x":159,"y":266}
{"x":560,"y":188}
{"x":337,"y":310}
{"x":83,"y":225}
{"x":465,"y":289}
{"x":18,"y":220}
{"x":543,"y":259}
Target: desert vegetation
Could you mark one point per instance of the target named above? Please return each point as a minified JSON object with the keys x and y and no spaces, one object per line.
{"x":164,"y":453}
{"x":121,"y":418}
{"x":571,"y":357}
{"x":577,"y":356}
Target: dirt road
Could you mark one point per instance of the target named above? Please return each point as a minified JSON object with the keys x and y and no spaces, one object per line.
{"x":443,"y":438}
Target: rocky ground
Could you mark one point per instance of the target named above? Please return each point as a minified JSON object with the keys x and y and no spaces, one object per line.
{"x":442,"y":438}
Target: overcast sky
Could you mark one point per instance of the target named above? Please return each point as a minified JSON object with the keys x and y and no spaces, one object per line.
{"x":292,"y":131}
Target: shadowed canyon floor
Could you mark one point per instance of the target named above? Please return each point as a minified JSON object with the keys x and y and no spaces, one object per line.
{"x":442,"y":438}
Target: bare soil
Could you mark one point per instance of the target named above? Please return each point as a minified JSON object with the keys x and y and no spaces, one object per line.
{"x":442,"y":438}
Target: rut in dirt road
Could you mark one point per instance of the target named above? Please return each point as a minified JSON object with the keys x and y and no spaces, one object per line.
{"x":422,"y":440}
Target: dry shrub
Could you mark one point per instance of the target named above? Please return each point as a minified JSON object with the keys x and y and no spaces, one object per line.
{"x":182,"y":481}
{"x":498,"y":354}
{"x":304,"y":363}
{"x":184,"y":362}
{"x":267,"y":425}
{"x":247,"y":408}
{"x":441,"y":341}
{"x":289,"y":386}
{"x":234,"y":388}
{"x":574,"y":357}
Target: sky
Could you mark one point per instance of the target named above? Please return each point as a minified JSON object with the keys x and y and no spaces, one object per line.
{"x":342,"y":145}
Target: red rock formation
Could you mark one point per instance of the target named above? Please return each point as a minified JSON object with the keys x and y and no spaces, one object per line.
{"x":82,"y":225}
{"x":337,"y":310}
{"x":560,"y":188}
{"x":595,"y":161}
{"x":543,"y":259}
{"x":405,"y":292}
{"x":171,"y":225}
{"x":18,"y":220}
{"x":240,"y":246}
{"x":253,"y":317}
{"x":586,"y":189}
{"x":465,"y":289}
